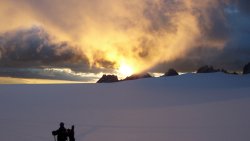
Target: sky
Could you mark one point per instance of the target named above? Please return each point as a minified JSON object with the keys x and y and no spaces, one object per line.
{"x":79,"y":40}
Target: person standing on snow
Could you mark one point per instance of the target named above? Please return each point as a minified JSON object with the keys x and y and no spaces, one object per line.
{"x":61,"y":133}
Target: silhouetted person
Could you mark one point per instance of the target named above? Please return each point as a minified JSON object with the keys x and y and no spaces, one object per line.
{"x":71,"y":133}
{"x":61,"y":133}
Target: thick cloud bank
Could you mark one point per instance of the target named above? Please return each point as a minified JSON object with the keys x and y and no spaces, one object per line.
{"x":142,"y":34}
{"x":31,"y":53}
{"x":35,"y":48}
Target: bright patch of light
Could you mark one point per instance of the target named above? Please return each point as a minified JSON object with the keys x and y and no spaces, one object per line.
{"x":125,"y":70}
{"x":157,"y":74}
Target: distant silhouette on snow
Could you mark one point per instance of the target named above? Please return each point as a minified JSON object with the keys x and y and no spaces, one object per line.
{"x":171,"y":72}
{"x":137,"y":76}
{"x":108,"y":79}
{"x":246,"y":69}
{"x":207,"y":69}
{"x":61,"y":133}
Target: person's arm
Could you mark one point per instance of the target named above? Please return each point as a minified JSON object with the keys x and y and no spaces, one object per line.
{"x":54,"y":132}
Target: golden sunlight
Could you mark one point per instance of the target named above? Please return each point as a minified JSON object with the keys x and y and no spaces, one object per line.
{"x":125,"y":70}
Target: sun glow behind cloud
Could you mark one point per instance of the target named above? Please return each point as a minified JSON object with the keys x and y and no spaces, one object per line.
{"x":125,"y":70}
{"x":148,"y":33}
{"x":120,"y":36}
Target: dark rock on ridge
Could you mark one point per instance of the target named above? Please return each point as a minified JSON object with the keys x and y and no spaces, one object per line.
{"x":171,"y":72}
{"x":137,"y":76}
{"x":246,"y":69}
{"x":207,"y":69}
{"x":108,"y":79}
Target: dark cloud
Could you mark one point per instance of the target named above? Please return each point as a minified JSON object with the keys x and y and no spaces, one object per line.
{"x":34,"y":48}
{"x":213,"y":23}
{"x":228,"y":23}
{"x":244,"y":5}
{"x":104,"y":63}
{"x":230,"y":58}
{"x":31,"y":53}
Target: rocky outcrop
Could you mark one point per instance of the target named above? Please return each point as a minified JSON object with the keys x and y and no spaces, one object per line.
{"x":171,"y":72}
{"x":108,"y":79}
{"x":137,"y":76}
{"x":246,"y":69}
{"x":227,"y":72}
{"x":207,"y":69}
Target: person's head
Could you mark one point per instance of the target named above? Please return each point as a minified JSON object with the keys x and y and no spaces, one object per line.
{"x":61,"y":124}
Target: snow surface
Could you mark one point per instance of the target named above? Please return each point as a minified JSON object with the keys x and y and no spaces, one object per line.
{"x":191,"y":107}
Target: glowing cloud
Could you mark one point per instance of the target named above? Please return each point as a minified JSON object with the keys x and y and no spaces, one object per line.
{"x":128,"y":36}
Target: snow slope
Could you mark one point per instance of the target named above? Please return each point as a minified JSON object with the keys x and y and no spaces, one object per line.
{"x":191,"y":107}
